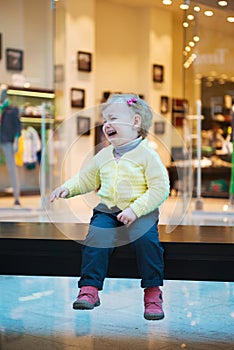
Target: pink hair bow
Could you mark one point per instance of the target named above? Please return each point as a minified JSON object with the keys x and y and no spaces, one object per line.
{"x":131,"y":101}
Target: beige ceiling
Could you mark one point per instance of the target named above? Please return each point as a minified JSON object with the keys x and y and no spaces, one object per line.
{"x":217,"y":22}
{"x":175,"y":5}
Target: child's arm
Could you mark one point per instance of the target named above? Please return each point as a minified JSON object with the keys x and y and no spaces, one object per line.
{"x":59,"y":192}
{"x":85,"y":181}
{"x":127,"y":216}
{"x":158,"y":187}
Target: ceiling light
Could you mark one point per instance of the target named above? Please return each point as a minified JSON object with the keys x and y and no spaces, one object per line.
{"x":197,"y":9}
{"x":185,"y":5}
{"x":167,"y":2}
{"x":196,"y":38}
{"x":188,"y":48}
{"x":190,"y":17}
{"x":222,"y":3}
{"x":191,"y":43}
{"x":230,"y":19}
{"x":185,"y":24}
{"x":208,"y":13}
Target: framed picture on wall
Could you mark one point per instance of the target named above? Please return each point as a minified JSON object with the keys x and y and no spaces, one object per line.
{"x":83,"y":126}
{"x":77,"y":98}
{"x":84,"y":61}
{"x":158,"y":73}
{"x":14,"y":59}
{"x":159,"y":128}
{"x":164,"y":104}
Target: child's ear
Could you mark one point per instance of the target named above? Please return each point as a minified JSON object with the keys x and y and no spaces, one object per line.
{"x":137,"y":121}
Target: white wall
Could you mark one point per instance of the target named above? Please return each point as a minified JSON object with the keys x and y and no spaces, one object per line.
{"x":117,"y":45}
{"x":80,"y":36}
{"x":27,"y":25}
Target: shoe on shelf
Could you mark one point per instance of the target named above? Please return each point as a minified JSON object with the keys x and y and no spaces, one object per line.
{"x":17,"y":204}
{"x":87,"y":298}
{"x":153,"y":304}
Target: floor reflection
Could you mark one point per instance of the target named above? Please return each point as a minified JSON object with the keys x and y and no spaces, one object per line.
{"x":36,"y":313}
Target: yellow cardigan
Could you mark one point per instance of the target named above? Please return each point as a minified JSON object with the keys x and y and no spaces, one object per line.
{"x":139,"y":179}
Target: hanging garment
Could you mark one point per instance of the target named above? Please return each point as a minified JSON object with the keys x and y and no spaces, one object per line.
{"x":20,"y":152}
{"x":32,"y":145}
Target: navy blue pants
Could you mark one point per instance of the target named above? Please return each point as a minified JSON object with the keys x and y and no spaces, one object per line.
{"x":106,"y":233}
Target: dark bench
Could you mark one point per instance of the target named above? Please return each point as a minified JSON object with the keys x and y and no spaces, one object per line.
{"x":203,"y":253}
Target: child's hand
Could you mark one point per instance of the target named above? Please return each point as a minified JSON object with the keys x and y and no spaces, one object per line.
{"x":127,"y":216}
{"x":59,"y":192}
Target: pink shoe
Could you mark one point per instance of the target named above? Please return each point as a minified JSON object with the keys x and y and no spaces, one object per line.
{"x":87,"y":299}
{"x":153,"y":304}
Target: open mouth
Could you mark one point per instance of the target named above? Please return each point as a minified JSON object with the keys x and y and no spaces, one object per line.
{"x":111,"y":133}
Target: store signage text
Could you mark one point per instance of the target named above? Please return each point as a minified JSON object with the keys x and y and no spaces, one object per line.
{"x":216,"y":58}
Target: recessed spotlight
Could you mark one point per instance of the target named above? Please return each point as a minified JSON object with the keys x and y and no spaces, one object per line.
{"x":190,"y":17}
{"x":167,"y":2}
{"x":185,"y":5}
{"x":196,"y":38}
{"x":222,"y":3}
{"x":197,"y":9}
{"x":208,"y":13}
{"x":188,"y":48}
{"x":230,"y":19}
{"x":191,"y":43}
{"x":185,"y":24}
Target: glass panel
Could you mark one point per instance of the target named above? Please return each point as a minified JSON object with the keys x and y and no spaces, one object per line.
{"x":209,"y":78}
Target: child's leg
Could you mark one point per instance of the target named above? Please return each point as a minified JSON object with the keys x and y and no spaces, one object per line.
{"x":150,"y":261}
{"x":95,"y":258}
{"x":149,"y":255}
{"x":94,"y":266}
{"x":93,"y":272}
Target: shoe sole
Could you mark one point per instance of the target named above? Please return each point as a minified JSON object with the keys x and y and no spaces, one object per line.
{"x":154,"y":317}
{"x":85,"y":305}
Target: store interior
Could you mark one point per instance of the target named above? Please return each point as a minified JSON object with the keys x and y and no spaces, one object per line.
{"x":60,"y":60}
{"x":178,"y":60}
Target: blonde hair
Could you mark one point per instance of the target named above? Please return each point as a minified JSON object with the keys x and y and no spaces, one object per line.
{"x":138,"y":106}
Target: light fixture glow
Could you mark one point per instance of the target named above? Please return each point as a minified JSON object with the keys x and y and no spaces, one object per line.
{"x":222,"y":3}
{"x":196,"y":38}
{"x":167,"y":2}
{"x":185,"y":24}
{"x":27,"y":85}
{"x":185,"y":5}
{"x":30,"y":93}
{"x":208,"y":13}
{"x":191,"y":43}
{"x":230,"y":19}
{"x":197,"y":9}
{"x":188,"y":48}
{"x":190,"y":17}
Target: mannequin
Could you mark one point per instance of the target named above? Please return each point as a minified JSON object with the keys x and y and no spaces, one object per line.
{"x":10,"y":129}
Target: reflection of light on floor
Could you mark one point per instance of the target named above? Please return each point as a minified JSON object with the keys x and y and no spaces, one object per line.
{"x":37,"y":295}
{"x":36,"y":313}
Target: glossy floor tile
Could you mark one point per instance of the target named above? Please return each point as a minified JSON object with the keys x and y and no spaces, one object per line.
{"x":36,"y":313}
